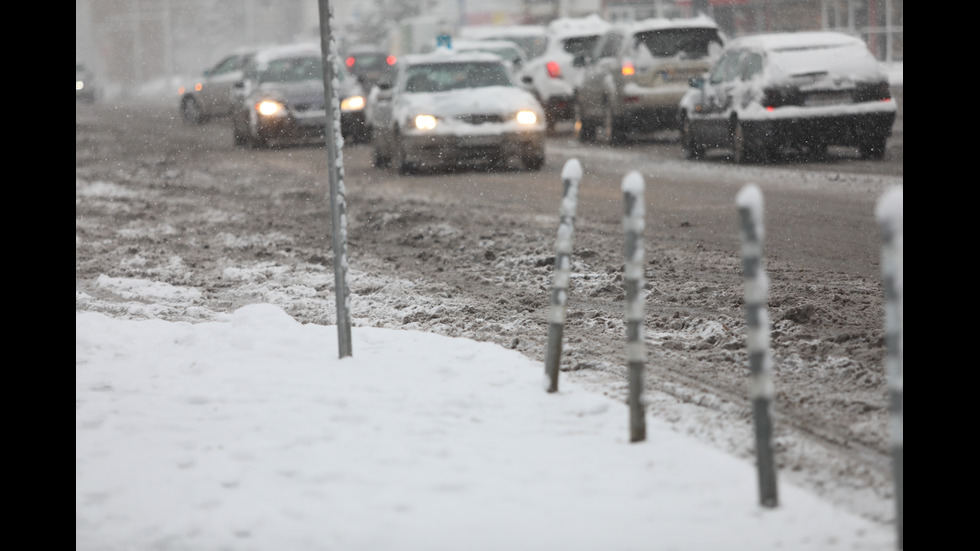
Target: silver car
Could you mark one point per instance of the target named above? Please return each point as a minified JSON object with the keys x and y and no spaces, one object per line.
{"x":210,"y":95}
{"x":447,"y":109}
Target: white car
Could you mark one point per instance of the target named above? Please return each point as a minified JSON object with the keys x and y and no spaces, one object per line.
{"x":804,"y":90}
{"x":447,"y":108}
{"x":551,"y":74}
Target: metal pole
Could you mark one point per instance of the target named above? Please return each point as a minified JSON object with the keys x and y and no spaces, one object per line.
{"x":571,"y":174}
{"x":633,"y":223}
{"x":335,"y":172}
{"x":891,"y":221}
{"x":749,"y":201}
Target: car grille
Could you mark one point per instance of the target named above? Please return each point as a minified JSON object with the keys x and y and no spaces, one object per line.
{"x":480,"y":118}
{"x":311,"y":106}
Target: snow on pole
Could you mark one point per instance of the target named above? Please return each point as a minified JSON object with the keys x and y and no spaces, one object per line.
{"x":571,"y":174}
{"x":335,"y":172}
{"x":891,"y":221}
{"x":749,"y":202}
{"x":633,"y":223}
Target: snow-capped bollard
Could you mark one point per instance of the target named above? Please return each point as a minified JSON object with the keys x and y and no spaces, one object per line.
{"x":749,"y":202}
{"x":633,"y":223}
{"x":889,"y":212}
{"x":335,"y":173}
{"x":571,"y":175}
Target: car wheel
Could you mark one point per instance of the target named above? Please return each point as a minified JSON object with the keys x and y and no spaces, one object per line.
{"x":585,"y":128}
{"x":401,"y":159}
{"x":379,"y":160}
{"x":534,"y":162}
{"x":874,"y":148}
{"x":191,"y":111}
{"x":240,"y":137}
{"x":612,"y":129}
{"x":692,"y":149}
{"x":740,"y":145}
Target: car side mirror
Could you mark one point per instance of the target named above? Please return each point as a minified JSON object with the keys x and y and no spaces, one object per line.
{"x":696,"y":82}
{"x":526,"y":79}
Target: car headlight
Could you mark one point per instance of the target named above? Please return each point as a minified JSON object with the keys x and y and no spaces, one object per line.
{"x":79,"y":85}
{"x":269,"y":108}
{"x":353,"y":103}
{"x":526,"y":117}
{"x":425,"y":122}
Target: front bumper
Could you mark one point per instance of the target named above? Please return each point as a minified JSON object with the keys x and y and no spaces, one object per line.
{"x":447,"y":149}
{"x":310,"y":127}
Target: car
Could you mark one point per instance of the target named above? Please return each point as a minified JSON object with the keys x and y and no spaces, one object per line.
{"x":513,"y":55}
{"x":368,"y":63}
{"x":533,"y":39}
{"x":210,"y":95}
{"x":636,"y":75}
{"x":805,"y":90}
{"x":551,"y":75}
{"x":447,"y":109}
{"x":280,"y":99}
{"x":85,"y":85}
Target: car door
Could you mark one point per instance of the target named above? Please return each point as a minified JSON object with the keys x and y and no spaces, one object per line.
{"x":717,"y":99}
{"x":216,"y":93}
{"x":596,"y":76}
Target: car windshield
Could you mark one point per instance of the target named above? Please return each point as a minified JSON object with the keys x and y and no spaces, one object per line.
{"x":441,"y":77}
{"x":692,"y":43}
{"x":293,"y":69}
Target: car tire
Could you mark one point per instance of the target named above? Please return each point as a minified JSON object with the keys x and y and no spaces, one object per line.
{"x":586,"y":128}
{"x":534,"y":162}
{"x":240,"y":138}
{"x":873,"y":149}
{"x":692,"y":149}
{"x":378,"y":160}
{"x":402,"y":166}
{"x":191,"y":111}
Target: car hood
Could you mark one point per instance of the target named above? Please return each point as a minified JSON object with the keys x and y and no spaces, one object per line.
{"x":504,"y":100}
{"x":305,"y":92}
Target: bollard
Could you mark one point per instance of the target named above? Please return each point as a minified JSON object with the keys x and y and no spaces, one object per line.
{"x":749,"y":202}
{"x":891,"y":222}
{"x":571,"y":175}
{"x":633,"y":222}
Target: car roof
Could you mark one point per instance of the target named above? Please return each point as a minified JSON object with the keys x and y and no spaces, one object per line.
{"x":287,"y":50}
{"x":564,"y":27}
{"x":657,"y":23}
{"x":443,"y":55}
{"x":796,"y":40}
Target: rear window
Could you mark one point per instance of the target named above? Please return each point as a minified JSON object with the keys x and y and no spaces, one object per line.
{"x":686,"y":43}
{"x":367,"y":61}
{"x":579,"y":44}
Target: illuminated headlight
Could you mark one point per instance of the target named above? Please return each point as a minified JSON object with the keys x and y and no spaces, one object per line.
{"x":425,"y":122}
{"x":353,"y":103}
{"x":526,"y":117}
{"x":79,"y":85}
{"x":269,"y":108}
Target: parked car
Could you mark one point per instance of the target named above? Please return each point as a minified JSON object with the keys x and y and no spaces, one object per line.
{"x":210,"y":96}
{"x":533,"y":39}
{"x":368,"y":63}
{"x":636,"y":75}
{"x":280,"y":99}
{"x":86,"y":89}
{"x":448,"y":108}
{"x":806,"y":90}
{"x":551,"y":75}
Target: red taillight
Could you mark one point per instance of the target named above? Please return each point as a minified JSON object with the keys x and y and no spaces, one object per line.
{"x":627,"y":69}
{"x":554,"y":69}
{"x":350,"y":61}
{"x":390,"y":60}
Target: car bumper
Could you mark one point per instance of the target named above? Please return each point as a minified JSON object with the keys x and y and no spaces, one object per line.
{"x":310,"y":127}
{"x":844,"y":130}
{"x":434,"y":150}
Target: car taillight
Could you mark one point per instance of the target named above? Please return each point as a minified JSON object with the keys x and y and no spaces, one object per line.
{"x":554,"y":69}
{"x":627,"y":69}
{"x":390,"y":60}
{"x":781,"y":97}
{"x":350,"y":61}
{"x":872,"y":91}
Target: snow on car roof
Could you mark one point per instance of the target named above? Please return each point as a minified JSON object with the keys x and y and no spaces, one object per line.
{"x":442,"y":54}
{"x":655,"y":23}
{"x":798,"y":40}
{"x":287,"y":50}
{"x":577,"y":26}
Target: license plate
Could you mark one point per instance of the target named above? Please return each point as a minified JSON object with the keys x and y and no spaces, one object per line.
{"x":828,"y":98}
{"x":477,"y":141}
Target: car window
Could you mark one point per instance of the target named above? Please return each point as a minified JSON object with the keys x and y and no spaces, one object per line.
{"x":227,"y":65}
{"x":688,"y":43}
{"x":610,"y":45}
{"x":725,"y":65}
{"x":293,"y":69}
{"x":441,"y":77}
{"x":579,"y":44}
{"x":750,"y":65}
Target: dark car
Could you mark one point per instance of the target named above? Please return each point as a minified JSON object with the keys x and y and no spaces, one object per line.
{"x":804,"y":90}
{"x":368,"y":63}
{"x":85,"y":87}
{"x":210,"y":95}
{"x":280,"y":99}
